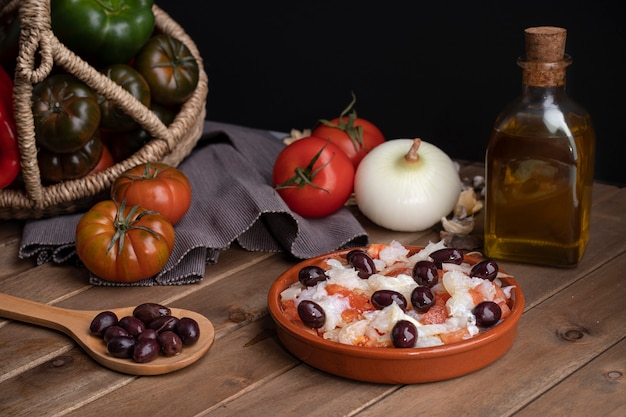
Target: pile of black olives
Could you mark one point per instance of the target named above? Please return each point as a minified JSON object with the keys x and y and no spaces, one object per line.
{"x":149,"y":332}
{"x":425,"y":274}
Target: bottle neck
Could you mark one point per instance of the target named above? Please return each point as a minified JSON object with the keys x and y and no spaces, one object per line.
{"x":544,"y":74}
{"x":537,"y":93}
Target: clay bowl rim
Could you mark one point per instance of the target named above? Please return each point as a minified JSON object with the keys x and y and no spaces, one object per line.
{"x":392,"y":354}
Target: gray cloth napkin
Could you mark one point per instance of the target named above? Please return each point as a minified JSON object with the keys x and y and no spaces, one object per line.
{"x":230,"y":171}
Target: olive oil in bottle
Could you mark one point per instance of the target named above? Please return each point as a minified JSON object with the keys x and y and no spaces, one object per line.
{"x":539,"y":164}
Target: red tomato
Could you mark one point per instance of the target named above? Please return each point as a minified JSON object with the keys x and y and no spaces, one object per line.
{"x":355,"y":136}
{"x":125,"y":243}
{"x":106,"y":161}
{"x":313,"y":176}
{"x":154,"y":186}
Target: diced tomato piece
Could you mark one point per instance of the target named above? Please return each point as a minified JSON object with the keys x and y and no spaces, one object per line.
{"x":502,"y":301}
{"x":437,"y":314}
{"x":400,"y":269}
{"x":349,"y":315}
{"x":333,"y":289}
{"x":500,"y":295}
{"x":477,"y":297}
{"x":290,"y":310}
{"x":358,"y":302}
{"x":374,"y":250}
{"x":482,"y":293}
{"x":456,"y":336}
{"x":506,"y":310}
{"x":372,"y":343}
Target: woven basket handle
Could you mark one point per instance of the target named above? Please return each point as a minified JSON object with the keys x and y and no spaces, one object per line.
{"x":35,"y":39}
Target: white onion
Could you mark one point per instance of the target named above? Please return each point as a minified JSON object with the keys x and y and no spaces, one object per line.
{"x":403,"y":191}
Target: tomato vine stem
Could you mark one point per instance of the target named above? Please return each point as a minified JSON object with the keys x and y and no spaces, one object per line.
{"x":305,"y":176}
{"x":355,"y":133}
{"x":124,"y":223}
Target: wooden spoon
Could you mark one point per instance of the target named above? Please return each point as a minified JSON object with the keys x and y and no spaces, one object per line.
{"x":75,"y":323}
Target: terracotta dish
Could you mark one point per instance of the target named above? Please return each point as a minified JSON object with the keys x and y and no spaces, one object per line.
{"x":393,"y":365}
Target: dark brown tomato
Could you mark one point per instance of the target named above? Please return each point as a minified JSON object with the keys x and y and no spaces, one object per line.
{"x":170,"y":69}
{"x":55,"y":167}
{"x":66,"y":113}
{"x":124,"y":144}
{"x":112,"y":116}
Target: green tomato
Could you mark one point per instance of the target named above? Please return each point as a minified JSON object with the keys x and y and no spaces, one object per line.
{"x":66,"y":113}
{"x":103,"y":32}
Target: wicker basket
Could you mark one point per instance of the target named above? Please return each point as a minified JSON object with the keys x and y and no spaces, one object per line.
{"x":169,"y":145}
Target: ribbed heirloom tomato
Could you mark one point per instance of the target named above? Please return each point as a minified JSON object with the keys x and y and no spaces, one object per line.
{"x":66,"y":113}
{"x":123,"y":243}
{"x":155,"y":186}
{"x":56,"y":167}
{"x":170,"y":69}
{"x":313,"y":176}
{"x":113,"y":118}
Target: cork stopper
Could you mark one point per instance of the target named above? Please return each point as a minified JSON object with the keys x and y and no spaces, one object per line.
{"x":545,"y":43}
{"x":545,"y":61}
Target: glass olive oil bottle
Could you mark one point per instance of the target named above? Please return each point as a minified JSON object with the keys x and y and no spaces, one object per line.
{"x":539,"y":163}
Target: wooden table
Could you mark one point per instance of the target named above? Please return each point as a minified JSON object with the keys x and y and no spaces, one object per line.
{"x":569,"y":358}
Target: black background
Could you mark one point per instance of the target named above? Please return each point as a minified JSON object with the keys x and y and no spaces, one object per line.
{"x":441,"y":70}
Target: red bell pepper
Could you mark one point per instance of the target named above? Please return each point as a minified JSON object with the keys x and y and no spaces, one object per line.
{"x":9,"y":151}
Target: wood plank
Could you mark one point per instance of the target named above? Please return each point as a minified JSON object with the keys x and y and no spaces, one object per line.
{"x":101,"y":297}
{"x":62,"y":382}
{"x":228,"y":373}
{"x":604,"y":381}
{"x":47,"y":283}
{"x":242,"y":297}
{"x":26,"y":346}
{"x":309,"y":393}
{"x":238,"y":362}
{"x":10,"y":230}
{"x":10,"y":238}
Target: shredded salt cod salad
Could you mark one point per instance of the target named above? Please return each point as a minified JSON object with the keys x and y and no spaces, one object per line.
{"x":386,"y":296}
